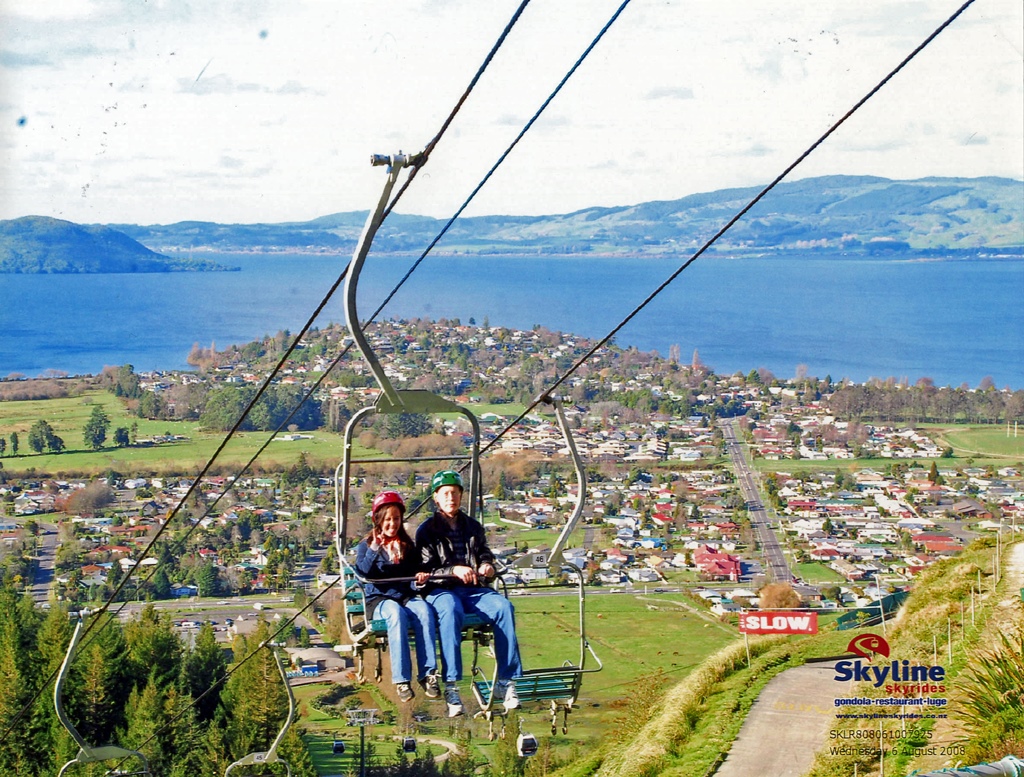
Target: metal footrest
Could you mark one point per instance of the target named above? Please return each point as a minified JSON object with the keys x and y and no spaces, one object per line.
{"x":539,"y":686}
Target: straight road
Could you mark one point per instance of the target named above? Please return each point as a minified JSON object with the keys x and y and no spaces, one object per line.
{"x":775,"y":566}
{"x":42,"y":573}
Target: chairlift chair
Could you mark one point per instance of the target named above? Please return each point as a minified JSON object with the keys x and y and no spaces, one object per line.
{"x":271,"y":756}
{"x":86,"y":753}
{"x":557,"y":686}
{"x":364,"y":633}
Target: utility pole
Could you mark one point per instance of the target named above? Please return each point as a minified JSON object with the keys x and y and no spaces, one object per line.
{"x":362,"y":718}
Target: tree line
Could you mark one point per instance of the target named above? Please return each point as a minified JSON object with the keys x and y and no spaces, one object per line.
{"x":137,"y":685}
{"x":890,"y":402}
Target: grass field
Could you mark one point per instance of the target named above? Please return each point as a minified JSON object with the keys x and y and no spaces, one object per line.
{"x":977,"y":444}
{"x":816,"y":573}
{"x":68,"y":416}
{"x":982,"y":443}
{"x":653,"y":639}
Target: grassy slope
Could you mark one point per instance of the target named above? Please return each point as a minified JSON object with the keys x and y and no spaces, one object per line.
{"x":643,"y":641}
{"x":683,"y":732}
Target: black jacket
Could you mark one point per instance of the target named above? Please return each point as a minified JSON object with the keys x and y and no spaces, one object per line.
{"x":437,"y":554}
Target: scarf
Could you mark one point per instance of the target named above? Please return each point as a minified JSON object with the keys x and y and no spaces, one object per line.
{"x":394,"y":548}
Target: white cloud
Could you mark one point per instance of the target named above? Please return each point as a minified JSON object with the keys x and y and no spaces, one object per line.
{"x":283,"y":103}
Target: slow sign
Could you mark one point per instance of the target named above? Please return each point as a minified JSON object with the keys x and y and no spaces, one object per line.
{"x":778,"y":623}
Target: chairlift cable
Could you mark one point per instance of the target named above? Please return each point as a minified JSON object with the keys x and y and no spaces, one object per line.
{"x":732,"y":221}
{"x":295,"y":341}
{"x":425,"y":154}
{"x":177,"y":508}
{"x":245,"y":468}
{"x":526,"y":128}
{"x":217,"y":683}
{"x":693,"y":258}
{"x":560,"y":380}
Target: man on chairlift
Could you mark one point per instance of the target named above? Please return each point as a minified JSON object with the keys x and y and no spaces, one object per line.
{"x":453,"y":546}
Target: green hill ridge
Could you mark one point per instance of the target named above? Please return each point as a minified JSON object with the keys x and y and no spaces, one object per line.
{"x":43,"y":245}
{"x":838,"y":215}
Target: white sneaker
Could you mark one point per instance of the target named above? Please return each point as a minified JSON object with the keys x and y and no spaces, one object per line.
{"x":453,"y":700}
{"x":506,"y":691}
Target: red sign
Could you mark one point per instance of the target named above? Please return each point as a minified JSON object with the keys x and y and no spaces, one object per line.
{"x":778,"y":623}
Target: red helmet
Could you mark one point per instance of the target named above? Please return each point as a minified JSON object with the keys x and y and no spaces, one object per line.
{"x":388,"y":498}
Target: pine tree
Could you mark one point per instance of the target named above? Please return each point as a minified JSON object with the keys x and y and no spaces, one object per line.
{"x":254,"y":697}
{"x":293,"y":750}
{"x":215,"y":749}
{"x":153,"y":648}
{"x":145,"y":720}
{"x":13,"y":696}
{"x":100,"y":683}
{"x":183,"y":736}
{"x":94,"y":432}
{"x":201,"y":669}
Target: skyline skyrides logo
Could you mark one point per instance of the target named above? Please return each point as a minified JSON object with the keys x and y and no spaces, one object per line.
{"x":898,"y":677}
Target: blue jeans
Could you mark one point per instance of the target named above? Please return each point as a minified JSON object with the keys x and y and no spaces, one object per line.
{"x":419,"y":615}
{"x":452,"y":604}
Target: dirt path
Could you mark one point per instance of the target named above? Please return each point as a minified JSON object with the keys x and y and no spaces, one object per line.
{"x":788,"y":723}
{"x":702,"y":614}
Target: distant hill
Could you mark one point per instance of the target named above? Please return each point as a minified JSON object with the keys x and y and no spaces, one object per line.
{"x":38,"y":244}
{"x":849,"y":215}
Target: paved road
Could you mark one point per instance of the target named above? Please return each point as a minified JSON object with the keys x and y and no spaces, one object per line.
{"x":304,"y":575}
{"x":46,"y":548}
{"x":788,"y":723}
{"x":775,"y":564}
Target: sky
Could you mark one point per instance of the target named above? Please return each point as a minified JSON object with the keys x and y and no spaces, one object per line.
{"x":159,"y":111}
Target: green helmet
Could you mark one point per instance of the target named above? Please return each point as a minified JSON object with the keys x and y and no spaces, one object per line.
{"x":446,"y":477}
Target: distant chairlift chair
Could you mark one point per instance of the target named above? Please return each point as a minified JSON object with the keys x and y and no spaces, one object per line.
{"x":86,"y":753}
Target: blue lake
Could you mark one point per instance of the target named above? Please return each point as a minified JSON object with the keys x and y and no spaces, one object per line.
{"x":953,"y":321}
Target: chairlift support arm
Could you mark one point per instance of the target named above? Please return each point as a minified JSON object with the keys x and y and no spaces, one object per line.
{"x":271,"y":756}
{"x":391,"y":400}
{"x":86,"y":753}
{"x":554,"y":560}
{"x":373,"y":221}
